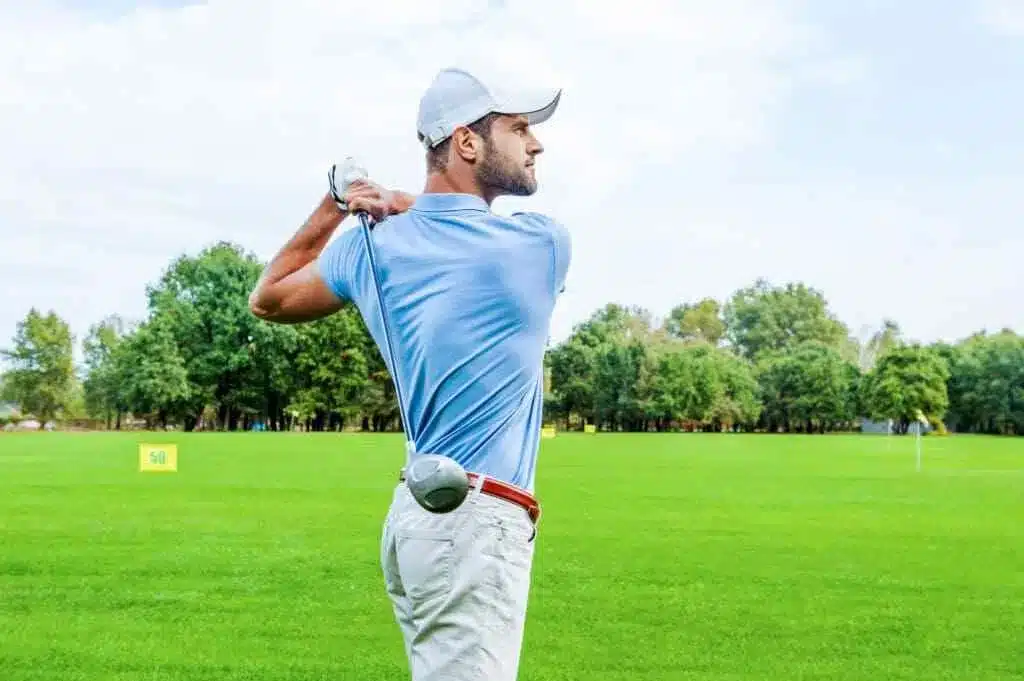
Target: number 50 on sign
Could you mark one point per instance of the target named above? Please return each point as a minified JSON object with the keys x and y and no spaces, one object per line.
{"x":158,"y":458}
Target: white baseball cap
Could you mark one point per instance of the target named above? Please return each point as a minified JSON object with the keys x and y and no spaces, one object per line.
{"x":457,"y":97}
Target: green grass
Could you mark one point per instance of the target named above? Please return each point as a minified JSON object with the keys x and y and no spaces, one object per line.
{"x":660,"y":557}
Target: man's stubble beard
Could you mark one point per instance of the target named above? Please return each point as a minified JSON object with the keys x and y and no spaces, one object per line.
{"x":499,"y":173}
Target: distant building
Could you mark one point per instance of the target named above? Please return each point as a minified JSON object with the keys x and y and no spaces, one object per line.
{"x":887,"y":427}
{"x":876,"y":427}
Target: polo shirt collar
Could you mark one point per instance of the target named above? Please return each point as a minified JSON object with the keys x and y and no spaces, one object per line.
{"x":435,"y":203}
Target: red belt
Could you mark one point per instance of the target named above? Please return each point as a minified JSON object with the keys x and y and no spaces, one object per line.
{"x":506,"y":491}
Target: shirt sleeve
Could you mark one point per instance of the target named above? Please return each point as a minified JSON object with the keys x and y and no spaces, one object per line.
{"x":561,"y":246}
{"x":563,"y":254}
{"x":337,"y":264}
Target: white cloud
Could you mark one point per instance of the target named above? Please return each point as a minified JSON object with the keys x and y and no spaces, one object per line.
{"x":141,"y":136}
{"x":1004,"y":17}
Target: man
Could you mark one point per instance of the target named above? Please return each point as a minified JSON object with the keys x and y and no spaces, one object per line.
{"x":470,"y":295}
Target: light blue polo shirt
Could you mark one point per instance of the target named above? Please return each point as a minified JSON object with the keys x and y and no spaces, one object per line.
{"x":469,"y":295}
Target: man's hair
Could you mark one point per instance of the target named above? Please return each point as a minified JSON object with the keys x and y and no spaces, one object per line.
{"x":437,"y":158}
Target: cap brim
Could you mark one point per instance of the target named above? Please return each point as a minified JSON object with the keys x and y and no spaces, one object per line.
{"x":537,"y":105}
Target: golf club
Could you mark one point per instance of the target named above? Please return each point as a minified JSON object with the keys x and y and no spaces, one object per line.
{"x":437,"y":482}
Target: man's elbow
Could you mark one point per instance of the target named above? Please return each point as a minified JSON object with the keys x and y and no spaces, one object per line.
{"x":284,"y":306}
{"x":258,"y":306}
{"x":271,"y":310}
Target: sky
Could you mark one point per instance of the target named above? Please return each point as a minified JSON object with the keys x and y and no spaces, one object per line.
{"x":870,"y":150}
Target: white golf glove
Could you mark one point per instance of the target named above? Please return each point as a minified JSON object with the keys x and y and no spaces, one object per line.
{"x":340,"y":177}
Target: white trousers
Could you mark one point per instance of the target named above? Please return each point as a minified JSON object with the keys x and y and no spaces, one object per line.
{"x":459,"y":584}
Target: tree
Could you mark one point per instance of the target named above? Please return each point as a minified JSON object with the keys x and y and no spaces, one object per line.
{"x":333,"y":366}
{"x":203,"y":303}
{"x":271,"y":379}
{"x":808,"y":388}
{"x":102,"y":389}
{"x":151,"y":373}
{"x":700,"y":386}
{"x":986,"y":383}
{"x":762,"y":318}
{"x":601,"y":373}
{"x":684,"y":386}
{"x":379,"y":406}
{"x":908,"y":379}
{"x":617,"y":396}
{"x":737,"y":403}
{"x":42,"y":376}
{"x":700,"y":322}
{"x":572,"y":366}
{"x":771,"y":357}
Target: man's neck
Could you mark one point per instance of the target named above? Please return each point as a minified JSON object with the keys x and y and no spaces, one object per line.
{"x":444,"y":183}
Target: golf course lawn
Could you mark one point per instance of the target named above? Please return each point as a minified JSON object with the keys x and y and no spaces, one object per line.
{"x":710,"y":557}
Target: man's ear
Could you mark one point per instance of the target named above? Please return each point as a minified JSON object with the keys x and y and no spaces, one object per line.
{"x":465,"y":145}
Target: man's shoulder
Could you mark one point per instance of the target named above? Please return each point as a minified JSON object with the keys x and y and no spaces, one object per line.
{"x":534,"y":217}
{"x":543,"y":223}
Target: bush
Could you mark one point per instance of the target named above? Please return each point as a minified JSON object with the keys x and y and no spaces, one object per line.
{"x":938,"y":427}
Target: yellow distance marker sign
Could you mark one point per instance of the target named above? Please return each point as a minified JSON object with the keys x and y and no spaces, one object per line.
{"x":158,"y":458}
{"x":547,"y":432}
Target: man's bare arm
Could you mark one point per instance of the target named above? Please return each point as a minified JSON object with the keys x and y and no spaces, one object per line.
{"x":291,"y":290}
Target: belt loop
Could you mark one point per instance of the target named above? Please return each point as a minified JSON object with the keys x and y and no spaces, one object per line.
{"x":478,"y":488}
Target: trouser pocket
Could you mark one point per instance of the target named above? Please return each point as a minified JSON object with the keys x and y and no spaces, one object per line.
{"x":425,"y":563}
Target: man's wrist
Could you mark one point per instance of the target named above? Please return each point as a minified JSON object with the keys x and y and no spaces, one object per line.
{"x":330,"y":209}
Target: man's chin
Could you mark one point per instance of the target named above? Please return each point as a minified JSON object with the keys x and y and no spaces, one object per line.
{"x":525,"y":187}
{"x":523,"y":190}
{"x":520,"y":186}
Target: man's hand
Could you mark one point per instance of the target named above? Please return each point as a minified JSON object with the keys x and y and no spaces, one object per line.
{"x":371,"y":198}
{"x":291,"y":290}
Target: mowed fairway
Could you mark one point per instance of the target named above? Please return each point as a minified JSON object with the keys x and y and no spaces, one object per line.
{"x":659,"y":557}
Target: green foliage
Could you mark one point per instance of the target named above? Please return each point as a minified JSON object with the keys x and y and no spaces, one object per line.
{"x":704,"y":387}
{"x":909,"y":379}
{"x":104,"y":396}
{"x":986,"y":384}
{"x":151,"y":373}
{"x":764,"y":318}
{"x":620,"y":373}
{"x":333,"y":370}
{"x":41,"y":379}
{"x":807,"y":388}
{"x":201,"y":359}
{"x":771,"y":358}
{"x":202,"y":302}
{"x":700,"y":322}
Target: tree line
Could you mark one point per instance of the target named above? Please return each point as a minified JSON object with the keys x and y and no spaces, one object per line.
{"x":769,"y":358}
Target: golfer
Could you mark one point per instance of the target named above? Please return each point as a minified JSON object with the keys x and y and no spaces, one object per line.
{"x":470,"y":294}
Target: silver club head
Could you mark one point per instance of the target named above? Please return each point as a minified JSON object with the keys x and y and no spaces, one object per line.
{"x":438,"y":483}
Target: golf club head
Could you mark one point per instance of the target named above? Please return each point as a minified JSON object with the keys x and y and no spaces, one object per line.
{"x":438,"y":483}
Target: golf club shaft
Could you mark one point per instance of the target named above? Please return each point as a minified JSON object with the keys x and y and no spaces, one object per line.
{"x":365,"y":227}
